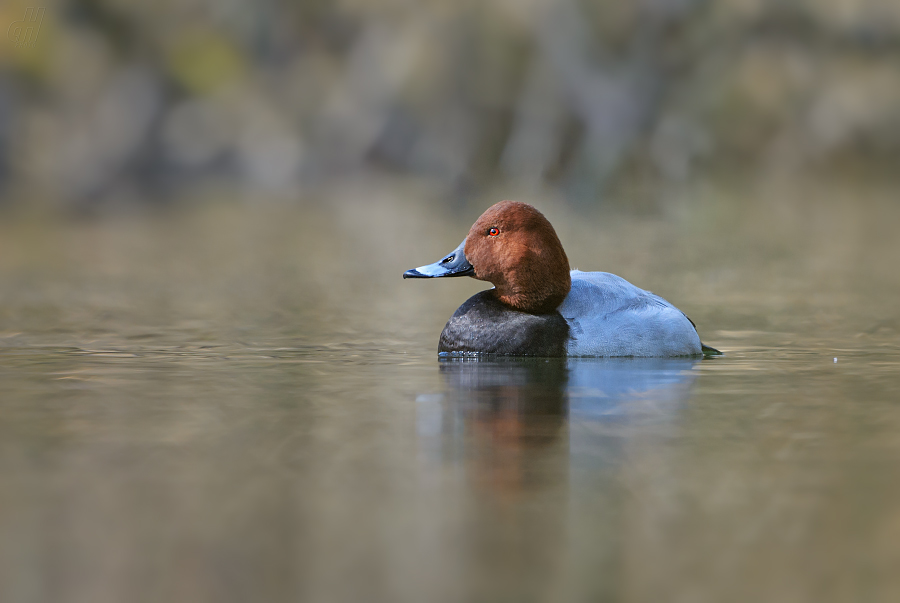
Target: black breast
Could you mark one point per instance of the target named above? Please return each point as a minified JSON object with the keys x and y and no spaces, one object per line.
{"x":484,"y":325}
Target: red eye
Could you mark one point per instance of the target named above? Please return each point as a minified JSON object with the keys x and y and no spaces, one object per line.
{"x":493,"y":232}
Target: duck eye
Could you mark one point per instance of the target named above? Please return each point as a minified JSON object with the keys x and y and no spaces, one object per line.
{"x":493,"y":232}
{"x":449,"y":258}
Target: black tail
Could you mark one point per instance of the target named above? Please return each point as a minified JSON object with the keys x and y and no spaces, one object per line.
{"x":708,"y":351}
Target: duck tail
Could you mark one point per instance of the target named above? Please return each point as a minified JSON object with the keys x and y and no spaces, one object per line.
{"x":708,"y":351}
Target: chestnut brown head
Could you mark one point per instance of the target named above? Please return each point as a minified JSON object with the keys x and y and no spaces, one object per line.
{"x":513,"y":246}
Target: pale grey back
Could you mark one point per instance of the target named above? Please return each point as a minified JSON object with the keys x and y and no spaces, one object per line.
{"x":608,"y":316}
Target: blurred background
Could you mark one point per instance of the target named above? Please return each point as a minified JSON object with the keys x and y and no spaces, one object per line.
{"x":119,"y":102}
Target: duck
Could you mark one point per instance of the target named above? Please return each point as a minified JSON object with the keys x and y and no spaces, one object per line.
{"x":539,"y":307}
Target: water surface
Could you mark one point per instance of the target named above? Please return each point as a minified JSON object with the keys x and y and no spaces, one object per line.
{"x":235,"y":404}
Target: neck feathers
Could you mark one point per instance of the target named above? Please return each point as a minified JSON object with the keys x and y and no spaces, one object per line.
{"x":539,"y":286}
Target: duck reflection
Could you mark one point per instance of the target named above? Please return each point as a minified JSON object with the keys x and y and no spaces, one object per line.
{"x":517,"y":423}
{"x":531,"y":454}
{"x":511,"y":411}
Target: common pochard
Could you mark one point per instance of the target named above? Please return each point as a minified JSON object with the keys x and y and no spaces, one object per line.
{"x":539,"y":308}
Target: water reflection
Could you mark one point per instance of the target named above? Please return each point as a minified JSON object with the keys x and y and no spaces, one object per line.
{"x":498,"y":411}
{"x":616,"y":399}
{"x":506,"y":412}
{"x":533,"y":404}
{"x":540,"y":444}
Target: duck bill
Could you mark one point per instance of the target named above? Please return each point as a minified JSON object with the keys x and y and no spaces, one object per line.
{"x":453,"y":264}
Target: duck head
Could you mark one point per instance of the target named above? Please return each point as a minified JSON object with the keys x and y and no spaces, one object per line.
{"x":513,"y":246}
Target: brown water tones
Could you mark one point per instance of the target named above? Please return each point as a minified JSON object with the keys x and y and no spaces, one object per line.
{"x":245,"y":404}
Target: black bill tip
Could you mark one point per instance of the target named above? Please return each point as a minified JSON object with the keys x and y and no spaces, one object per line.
{"x":453,"y":264}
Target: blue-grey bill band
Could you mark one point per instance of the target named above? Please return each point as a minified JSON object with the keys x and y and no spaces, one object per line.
{"x":453,"y":264}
